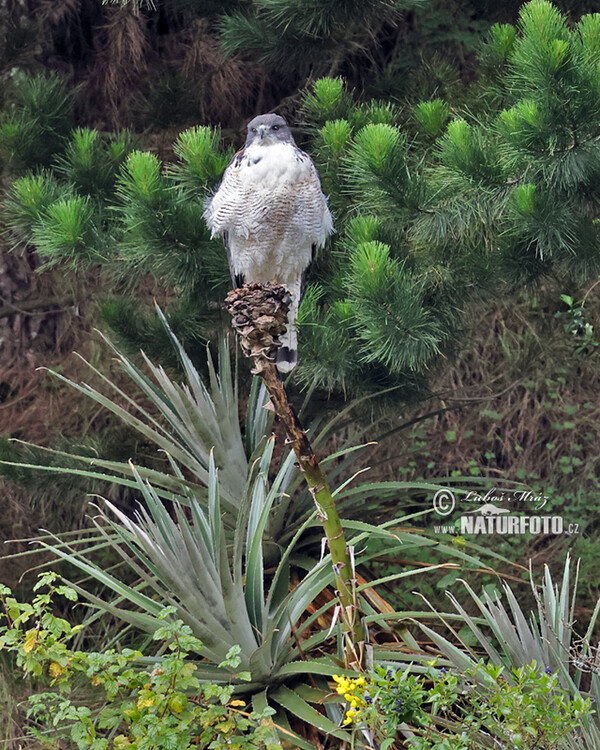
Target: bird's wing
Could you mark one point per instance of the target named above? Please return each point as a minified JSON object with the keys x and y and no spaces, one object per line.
{"x":237,"y":279}
{"x":220,"y":210}
{"x":314,"y":215}
{"x":306,"y":273}
{"x":312,"y":212}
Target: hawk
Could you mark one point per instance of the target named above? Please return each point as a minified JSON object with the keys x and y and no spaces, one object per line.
{"x":272,"y":215}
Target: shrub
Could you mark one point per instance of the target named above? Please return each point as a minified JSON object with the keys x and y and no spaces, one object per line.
{"x":121,"y":698}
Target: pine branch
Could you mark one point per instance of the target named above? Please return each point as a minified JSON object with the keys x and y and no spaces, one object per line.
{"x":38,"y":306}
{"x":38,"y":122}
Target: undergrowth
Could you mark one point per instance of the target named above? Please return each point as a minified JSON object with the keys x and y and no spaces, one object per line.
{"x":519,"y":411}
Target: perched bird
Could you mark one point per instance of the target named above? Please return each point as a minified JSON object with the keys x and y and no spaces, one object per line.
{"x":272,"y":215}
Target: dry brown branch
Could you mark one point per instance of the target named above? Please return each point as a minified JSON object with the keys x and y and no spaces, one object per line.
{"x":227,"y":85}
{"x":37,"y":306}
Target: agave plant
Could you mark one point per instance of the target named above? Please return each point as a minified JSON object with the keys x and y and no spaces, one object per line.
{"x":182,"y":558}
{"x":518,"y":639}
{"x":191,"y":421}
{"x":225,"y":543}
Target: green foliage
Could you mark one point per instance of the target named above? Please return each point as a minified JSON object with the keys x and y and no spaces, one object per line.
{"x":199,"y":431}
{"x":137,"y":328}
{"x":35,"y":125}
{"x":132,"y":701}
{"x":235,"y":549}
{"x":388,"y":311}
{"x":434,"y":206}
{"x":432,"y":116}
{"x":197,"y":425}
{"x":201,"y":161}
{"x":31,"y":196}
{"x":461,"y":200}
{"x":336,"y":135}
{"x":513,"y":641}
{"x":105,"y":204}
{"x":503,"y":198}
{"x":543,"y":370}
{"x":161,"y":701}
{"x":497,"y":47}
{"x":91,"y":162}
{"x":576,"y":324}
{"x":294,"y":37}
{"x":66,"y":231}
{"x":328,"y":100}
{"x":377,"y":170}
{"x":479,"y":707}
{"x":221,"y":597}
{"x":537,"y":685}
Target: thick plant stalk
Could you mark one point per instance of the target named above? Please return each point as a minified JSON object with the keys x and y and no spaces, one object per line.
{"x":259,"y":313}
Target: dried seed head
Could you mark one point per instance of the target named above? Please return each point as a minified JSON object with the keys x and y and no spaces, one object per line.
{"x":259,"y":314}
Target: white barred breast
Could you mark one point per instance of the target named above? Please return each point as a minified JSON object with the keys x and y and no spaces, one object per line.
{"x":271,"y":205}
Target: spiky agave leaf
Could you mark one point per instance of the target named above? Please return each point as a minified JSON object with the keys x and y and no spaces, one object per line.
{"x":183,"y":562}
{"x":191,"y":420}
{"x":518,"y":639}
{"x":188,"y":420}
{"x":182,"y":559}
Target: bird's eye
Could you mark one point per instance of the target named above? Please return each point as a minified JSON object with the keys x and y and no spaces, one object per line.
{"x":275,"y":127}
{"x":254,"y":130}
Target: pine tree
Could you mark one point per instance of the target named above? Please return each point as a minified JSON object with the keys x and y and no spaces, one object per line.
{"x":155,"y":65}
{"x":435,"y":206}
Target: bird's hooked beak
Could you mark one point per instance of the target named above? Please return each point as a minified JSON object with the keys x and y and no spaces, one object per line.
{"x":262,"y":131}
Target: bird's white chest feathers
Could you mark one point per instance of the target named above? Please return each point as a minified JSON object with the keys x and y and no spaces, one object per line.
{"x":271,"y":206}
{"x":273,"y":166}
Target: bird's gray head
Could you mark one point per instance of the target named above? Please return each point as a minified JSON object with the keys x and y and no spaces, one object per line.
{"x":268,"y":129}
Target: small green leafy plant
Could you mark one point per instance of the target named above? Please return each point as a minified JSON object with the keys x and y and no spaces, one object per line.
{"x":444,"y":710}
{"x":122,"y":699}
{"x":576,"y":324}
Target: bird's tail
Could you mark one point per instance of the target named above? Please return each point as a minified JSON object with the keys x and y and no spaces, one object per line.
{"x":287,"y":354}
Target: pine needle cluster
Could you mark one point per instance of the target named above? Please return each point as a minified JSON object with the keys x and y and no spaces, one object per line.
{"x":297,"y":37}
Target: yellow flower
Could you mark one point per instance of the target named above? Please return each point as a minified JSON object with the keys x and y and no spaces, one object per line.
{"x":56,"y":670}
{"x":351,"y":715}
{"x":146,"y":702}
{"x":237,"y":703}
{"x":353,"y":690}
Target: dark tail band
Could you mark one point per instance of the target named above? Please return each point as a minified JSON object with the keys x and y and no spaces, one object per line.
{"x":287,"y":359}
